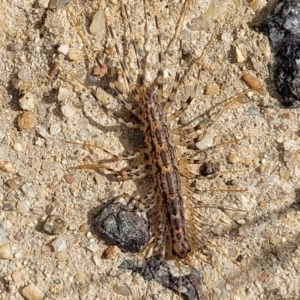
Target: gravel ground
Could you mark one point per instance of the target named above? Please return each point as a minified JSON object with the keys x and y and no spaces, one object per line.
{"x":252,"y":249}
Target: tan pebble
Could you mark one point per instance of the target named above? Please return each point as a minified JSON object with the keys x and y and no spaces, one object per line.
{"x":25,"y":120}
{"x":32,"y":292}
{"x":62,"y":255}
{"x":109,"y":252}
{"x":273,"y":240}
{"x":6,"y":166}
{"x":100,"y":70}
{"x":5,"y":252}
{"x":263,"y":276}
{"x":74,"y":55}
{"x":233,"y":158}
{"x":255,"y":4}
{"x":69,"y":178}
{"x":239,"y":56}
{"x":286,"y":175}
{"x":260,"y":169}
{"x":80,"y":276}
{"x":212,"y":89}
{"x":246,"y":162}
{"x":16,"y":276}
{"x":18,"y":147}
{"x":45,"y":249}
{"x":84,"y":228}
{"x":54,"y":225}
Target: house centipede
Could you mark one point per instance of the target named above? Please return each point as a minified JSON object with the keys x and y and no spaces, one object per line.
{"x":172,"y":240}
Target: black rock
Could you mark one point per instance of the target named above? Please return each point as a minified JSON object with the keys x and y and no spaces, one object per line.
{"x":168,"y":276}
{"x":118,"y":226}
{"x":282,"y":26}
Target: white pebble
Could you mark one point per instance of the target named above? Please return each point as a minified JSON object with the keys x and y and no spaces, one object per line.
{"x":23,"y":206}
{"x":226,"y":37}
{"x":206,"y":142}
{"x":239,"y":56}
{"x":29,"y":190}
{"x":5,"y":252}
{"x":24,"y":74}
{"x":59,"y":244}
{"x":98,"y":23}
{"x":290,"y":145}
{"x":93,"y":247}
{"x":18,"y":147}
{"x":32,"y":292}
{"x":43,"y":132}
{"x":27,"y":102}
{"x":64,"y":93}
{"x":63,"y":49}
{"x":55,"y":129}
{"x":43,"y":3}
{"x":67,"y":111}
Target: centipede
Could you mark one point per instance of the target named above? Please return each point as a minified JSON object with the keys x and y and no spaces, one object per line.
{"x":169,"y":152}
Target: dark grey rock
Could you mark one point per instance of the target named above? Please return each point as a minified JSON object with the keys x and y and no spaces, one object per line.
{"x":282,"y":26}
{"x":120,"y":227}
{"x":168,"y":276}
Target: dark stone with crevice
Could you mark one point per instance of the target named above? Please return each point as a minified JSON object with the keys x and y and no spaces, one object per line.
{"x":282,"y":26}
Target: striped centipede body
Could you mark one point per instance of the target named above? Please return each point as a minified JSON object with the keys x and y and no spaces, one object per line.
{"x":173,"y":236}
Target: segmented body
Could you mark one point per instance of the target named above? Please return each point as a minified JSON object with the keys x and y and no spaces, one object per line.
{"x":166,"y":176}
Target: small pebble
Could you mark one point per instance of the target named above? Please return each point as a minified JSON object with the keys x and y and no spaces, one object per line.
{"x":54,"y":225}
{"x":109,"y":252}
{"x":206,"y":142}
{"x":93,"y":247}
{"x":58,"y":3}
{"x":290,"y":145}
{"x":32,"y":292}
{"x":63,"y":49}
{"x":14,"y":47}
{"x":80,"y":277}
{"x":239,"y":56}
{"x":74,"y":55}
{"x":23,"y":206}
{"x":15,"y":182}
{"x":27,"y":102}
{"x":55,"y":129}
{"x":212,"y":89}
{"x":69,"y":178}
{"x":100,"y":70}
{"x":43,"y":132}
{"x":84,"y":228}
{"x":16,"y":276}
{"x":5,"y":252}
{"x":62,"y":255}
{"x":98,"y":23}
{"x":24,"y":74}
{"x":29,"y":190}
{"x":6,"y":166}
{"x":18,"y":236}
{"x":67,"y":111}
{"x":59,"y":244}
{"x":233,"y":158}
{"x":25,"y":120}
{"x":43,"y":3}
{"x":64,"y":93}
{"x":122,"y":290}
{"x":18,"y":147}
{"x":46,"y":166}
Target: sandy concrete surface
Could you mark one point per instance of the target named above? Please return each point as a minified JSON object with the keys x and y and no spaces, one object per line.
{"x":250,"y":234}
